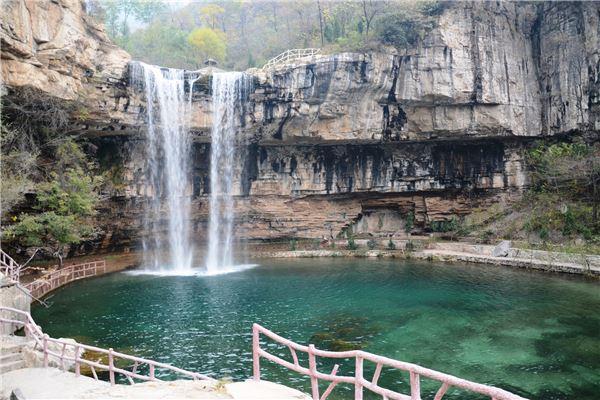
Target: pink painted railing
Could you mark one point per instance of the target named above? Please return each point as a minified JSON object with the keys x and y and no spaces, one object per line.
{"x":9,"y":267}
{"x":42,"y":342}
{"x":53,"y":280}
{"x":359,"y":380}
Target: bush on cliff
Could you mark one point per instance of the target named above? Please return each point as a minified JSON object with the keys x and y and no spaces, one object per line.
{"x":63,"y":209}
{"x":560,"y":209}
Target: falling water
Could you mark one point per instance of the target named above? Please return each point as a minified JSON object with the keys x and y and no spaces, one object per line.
{"x":230,"y":90}
{"x":168,"y":149}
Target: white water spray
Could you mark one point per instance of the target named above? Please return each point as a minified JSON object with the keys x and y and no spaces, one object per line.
{"x":168,"y":148}
{"x":230,"y":90}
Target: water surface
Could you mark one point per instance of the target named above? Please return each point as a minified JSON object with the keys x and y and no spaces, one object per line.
{"x":535,"y":334}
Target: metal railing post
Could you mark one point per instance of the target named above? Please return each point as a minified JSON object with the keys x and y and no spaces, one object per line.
{"x":358,"y":376}
{"x":45,"y":350}
{"x":415,"y":386}
{"x":255,"y":353}
{"x":312,"y":367}
{"x":111,"y":372}
{"x":77,"y":365}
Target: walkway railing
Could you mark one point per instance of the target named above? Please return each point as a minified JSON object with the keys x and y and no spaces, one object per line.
{"x":359,"y":381}
{"x":9,"y":267}
{"x":53,"y":280}
{"x":290,"y":55}
{"x":62,"y":352}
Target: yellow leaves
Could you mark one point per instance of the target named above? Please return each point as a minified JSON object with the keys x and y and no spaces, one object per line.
{"x":210,"y":43}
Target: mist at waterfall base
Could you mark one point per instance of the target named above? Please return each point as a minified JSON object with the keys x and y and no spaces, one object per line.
{"x":168,"y":145}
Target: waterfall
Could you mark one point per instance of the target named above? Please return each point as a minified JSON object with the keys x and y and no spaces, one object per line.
{"x":167,"y":152}
{"x":229,"y":94}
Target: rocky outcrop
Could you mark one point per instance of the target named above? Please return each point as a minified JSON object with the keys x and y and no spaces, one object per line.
{"x":54,"y":47}
{"x":345,"y":141}
{"x":568,"y":54}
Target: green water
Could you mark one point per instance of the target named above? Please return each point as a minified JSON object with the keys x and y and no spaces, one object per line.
{"x":535,"y":334}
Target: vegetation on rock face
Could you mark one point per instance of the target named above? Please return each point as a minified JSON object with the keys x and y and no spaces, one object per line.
{"x":247,"y":34}
{"x":49,"y":186}
{"x":351,"y":245}
{"x":63,"y":206}
{"x":391,"y":245}
{"x":565,"y":194}
{"x":372,"y":244}
{"x":559,"y":211}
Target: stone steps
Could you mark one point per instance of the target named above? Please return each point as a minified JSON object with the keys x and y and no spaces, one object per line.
{"x":8,"y":358}
{"x":11,"y":353}
{"x":12,"y":366}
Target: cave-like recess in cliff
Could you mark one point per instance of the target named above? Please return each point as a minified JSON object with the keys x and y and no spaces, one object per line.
{"x":535,"y":337}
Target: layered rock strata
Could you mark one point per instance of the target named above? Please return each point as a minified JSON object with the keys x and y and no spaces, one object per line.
{"x":336,"y":142}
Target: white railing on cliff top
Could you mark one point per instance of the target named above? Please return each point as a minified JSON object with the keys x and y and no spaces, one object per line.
{"x":53,"y":280}
{"x":65,"y":352}
{"x":290,"y":55}
{"x":9,"y":267}
{"x":358,"y":379}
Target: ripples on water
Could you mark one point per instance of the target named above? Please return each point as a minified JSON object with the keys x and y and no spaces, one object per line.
{"x":532,"y":333}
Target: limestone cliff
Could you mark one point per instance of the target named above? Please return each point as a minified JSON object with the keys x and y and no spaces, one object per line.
{"x":344,"y":140}
{"x":54,"y":47}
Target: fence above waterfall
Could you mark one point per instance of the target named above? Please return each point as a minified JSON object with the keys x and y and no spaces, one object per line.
{"x":359,"y":380}
{"x":289,"y":56}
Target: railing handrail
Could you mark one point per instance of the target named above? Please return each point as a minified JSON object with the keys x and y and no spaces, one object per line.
{"x":35,"y":332}
{"x":357,"y":379}
{"x":289,"y":55}
{"x":52,"y":280}
{"x":9,"y":266}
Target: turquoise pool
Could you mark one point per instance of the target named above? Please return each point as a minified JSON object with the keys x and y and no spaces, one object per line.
{"x":535,"y":334}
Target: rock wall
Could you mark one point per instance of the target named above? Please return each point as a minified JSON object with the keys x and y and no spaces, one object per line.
{"x":344,"y":141}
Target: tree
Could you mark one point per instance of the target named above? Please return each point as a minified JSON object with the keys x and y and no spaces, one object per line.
{"x":209,"y":43}
{"x":400,"y":30}
{"x":211,"y":14}
{"x":19,"y":155}
{"x":370,"y":9}
{"x":117,"y":13}
{"x":63,"y":209}
{"x":320,"y":21}
{"x":64,"y":219}
{"x":162,"y":44}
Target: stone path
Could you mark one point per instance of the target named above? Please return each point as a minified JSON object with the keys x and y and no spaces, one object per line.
{"x":11,"y":356}
{"x":52,"y":383}
{"x":449,"y":255}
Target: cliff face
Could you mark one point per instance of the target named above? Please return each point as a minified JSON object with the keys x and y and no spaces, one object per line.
{"x":54,"y":47}
{"x":346,"y":140}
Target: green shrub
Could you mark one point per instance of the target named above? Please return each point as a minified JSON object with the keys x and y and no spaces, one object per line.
{"x":316,"y":244}
{"x":433,"y":7}
{"x":544,"y":233}
{"x":293,"y":244}
{"x":391,"y":245}
{"x":399,"y":30}
{"x":409,"y":223}
{"x":444,"y":225}
{"x":351,"y":244}
{"x":372,"y":244}
{"x":64,"y":208}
